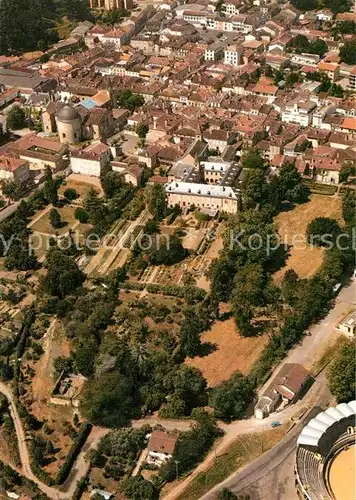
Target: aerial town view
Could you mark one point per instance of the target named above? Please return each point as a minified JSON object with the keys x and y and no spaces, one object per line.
{"x":177,"y":249}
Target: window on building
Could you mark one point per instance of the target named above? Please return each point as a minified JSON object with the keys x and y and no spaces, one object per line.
{"x":63,"y":136}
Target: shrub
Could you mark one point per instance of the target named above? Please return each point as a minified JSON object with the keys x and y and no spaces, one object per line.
{"x":70,"y":194}
{"x":81,"y":215}
{"x":66,"y":467}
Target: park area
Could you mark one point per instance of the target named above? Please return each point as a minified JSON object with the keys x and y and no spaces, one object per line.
{"x":81,"y":183}
{"x":291,"y":225}
{"x":232,"y":353}
{"x":41,"y":222}
{"x":43,"y":231}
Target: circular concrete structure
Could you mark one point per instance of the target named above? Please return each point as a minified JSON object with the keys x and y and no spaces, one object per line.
{"x":325,"y":456}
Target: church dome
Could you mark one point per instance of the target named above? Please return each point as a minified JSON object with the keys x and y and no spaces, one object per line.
{"x":68,"y":114}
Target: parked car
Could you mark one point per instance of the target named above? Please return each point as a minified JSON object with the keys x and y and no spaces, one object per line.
{"x":275,"y":424}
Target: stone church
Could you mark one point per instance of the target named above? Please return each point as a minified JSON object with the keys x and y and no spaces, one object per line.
{"x":76,"y":124}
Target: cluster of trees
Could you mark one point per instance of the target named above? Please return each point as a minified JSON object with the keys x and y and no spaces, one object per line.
{"x":114,"y":16}
{"x":31,"y":23}
{"x":16,"y":119}
{"x":301,"y":44}
{"x":286,"y":186}
{"x":191,"y":447}
{"x":335,"y":6}
{"x":117,"y":452}
{"x":231,"y":398}
{"x":63,"y":276}
{"x":14,"y":241}
{"x":327,"y":86}
{"x":347,"y":52}
{"x":101,"y":212}
{"x":343,"y":28}
{"x":341,"y":374}
{"x":136,"y":488}
{"x":242,"y":274}
{"x":10,"y":480}
{"x":128,"y":374}
{"x":78,"y":444}
{"x":153,"y":248}
{"x":127,"y":99}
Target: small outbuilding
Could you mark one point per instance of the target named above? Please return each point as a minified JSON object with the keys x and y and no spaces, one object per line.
{"x":348,"y":325}
{"x":284,"y":389}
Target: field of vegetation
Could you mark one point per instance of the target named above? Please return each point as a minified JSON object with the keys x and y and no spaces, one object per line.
{"x":304,"y":258}
{"x":165,"y":348}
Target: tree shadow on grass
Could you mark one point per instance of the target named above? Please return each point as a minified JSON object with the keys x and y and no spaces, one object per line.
{"x":279,"y":258}
{"x":206,"y":348}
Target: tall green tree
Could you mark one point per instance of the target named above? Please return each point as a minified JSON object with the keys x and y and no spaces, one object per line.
{"x":254,"y":187}
{"x":341,"y":375}
{"x":55,"y":218}
{"x":63,"y":275}
{"x":95,"y":207}
{"x":108,"y":400}
{"x":16,"y":119}
{"x":253,"y":159}
{"x":231,"y":398}
{"x":347,"y":52}
{"x":50,"y":188}
{"x":156,"y":201}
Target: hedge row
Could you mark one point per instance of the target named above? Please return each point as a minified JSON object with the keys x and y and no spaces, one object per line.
{"x":174,"y":291}
{"x":67,"y":465}
{"x":41,"y":474}
{"x":171,"y":290}
{"x":132,"y":285}
{"x":82,"y":485}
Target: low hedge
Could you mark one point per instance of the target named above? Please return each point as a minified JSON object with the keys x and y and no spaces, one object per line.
{"x":78,"y":444}
{"x":170,"y":290}
{"x":174,"y":291}
{"x":82,"y":485}
{"x":132,"y":285}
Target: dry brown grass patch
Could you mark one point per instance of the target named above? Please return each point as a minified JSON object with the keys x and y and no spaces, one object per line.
{"x":232,"y":353}
{"x":305,"y":261}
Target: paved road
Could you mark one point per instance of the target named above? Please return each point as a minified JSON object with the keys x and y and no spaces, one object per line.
{"x":269,"y":462}
{"x":317,"y":394}
{"x":6,"y":212}
{"x":66,"y":491}
{"x":306,"y":353}
{"x":321,"y":333}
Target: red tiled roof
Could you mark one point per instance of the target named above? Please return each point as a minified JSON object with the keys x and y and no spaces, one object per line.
{"x":162,"y":442}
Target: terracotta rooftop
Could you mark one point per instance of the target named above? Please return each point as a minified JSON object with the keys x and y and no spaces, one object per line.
{"x":162,"y":442}
{"x":11,"y":164}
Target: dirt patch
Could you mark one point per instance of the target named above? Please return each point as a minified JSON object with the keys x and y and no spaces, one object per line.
{"x":233,"y":352}
{"x":342,"y":475}
{"x":303,"y":258}
{"x":6,"y":449}
{"x":55,"y":345}
{"x":81,"y":187}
